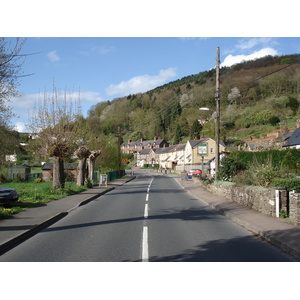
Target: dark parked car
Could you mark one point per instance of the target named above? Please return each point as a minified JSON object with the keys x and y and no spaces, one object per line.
{"x":194,"y":172}
{"x":8,"y":195}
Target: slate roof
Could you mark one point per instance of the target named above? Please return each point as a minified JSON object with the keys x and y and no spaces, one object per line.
{"x":144,"y":143}
{"x":294,"y":139}
{"x":67,"y":166}
{"x":194,"y":143}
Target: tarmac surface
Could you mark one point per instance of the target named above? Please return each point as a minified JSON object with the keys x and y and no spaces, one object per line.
{"x":27,"y":223}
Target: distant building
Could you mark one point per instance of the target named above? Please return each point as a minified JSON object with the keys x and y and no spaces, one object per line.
{"x":70,"y":168}
{"x":133,"y":147}
{"x":293,"y":141}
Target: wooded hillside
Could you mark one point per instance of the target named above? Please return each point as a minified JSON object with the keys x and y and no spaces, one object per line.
{"x":264,"y":92}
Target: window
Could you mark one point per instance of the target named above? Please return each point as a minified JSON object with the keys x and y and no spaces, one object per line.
{"x":211,"y":150}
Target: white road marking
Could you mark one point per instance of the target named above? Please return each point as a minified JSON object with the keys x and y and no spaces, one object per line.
{"x":145,"y":253}
{"x":178,"y":183}
{"x":146,"y":211}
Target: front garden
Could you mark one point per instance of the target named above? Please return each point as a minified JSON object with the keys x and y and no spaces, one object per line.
{"x":270,"y":168}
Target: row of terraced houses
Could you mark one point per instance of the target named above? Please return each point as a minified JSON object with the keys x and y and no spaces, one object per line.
{"x":198,"y":154}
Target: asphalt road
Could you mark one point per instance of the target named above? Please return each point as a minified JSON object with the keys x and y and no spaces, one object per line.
{"x":148,"y":219}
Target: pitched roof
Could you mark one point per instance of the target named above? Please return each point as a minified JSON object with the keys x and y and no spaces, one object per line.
{"x":145,"y":151}
{"x":294,"y":139}
{"x":67,"y":166}
{"x":144,"y":143}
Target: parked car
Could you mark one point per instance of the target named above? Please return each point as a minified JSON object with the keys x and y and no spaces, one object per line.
{"x":194,"y":172}
{"x":8,"y":195}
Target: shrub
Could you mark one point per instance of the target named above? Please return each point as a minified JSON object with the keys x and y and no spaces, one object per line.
{"x":88,"y":183}
{"x":229,"y":168}
{"x":265,"y":175}
{"x":291,"y":184}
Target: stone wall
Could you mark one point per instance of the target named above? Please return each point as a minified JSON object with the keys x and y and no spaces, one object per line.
{"x":294,"y":208}
{"x":260,"y":199}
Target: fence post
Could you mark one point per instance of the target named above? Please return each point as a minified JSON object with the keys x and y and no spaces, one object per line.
{"x":280,"y":200}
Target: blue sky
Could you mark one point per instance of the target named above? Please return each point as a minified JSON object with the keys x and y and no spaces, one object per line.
{"x":114,"y":48}
{"x":104,"y":68}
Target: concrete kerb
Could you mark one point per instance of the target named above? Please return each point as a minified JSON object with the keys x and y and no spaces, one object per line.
{"x":50,"y":221}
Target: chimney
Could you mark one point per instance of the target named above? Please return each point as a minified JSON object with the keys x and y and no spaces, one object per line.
{"x":298,"y":123}
{"x":129,"y":141}
{"x":155,"y":138}
{"x":142,"y":140}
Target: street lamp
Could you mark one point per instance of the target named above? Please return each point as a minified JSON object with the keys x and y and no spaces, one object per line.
{"x":216,"y":116}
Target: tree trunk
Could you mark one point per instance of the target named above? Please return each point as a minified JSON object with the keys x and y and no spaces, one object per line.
{"x":91,"y":164}
{"x":81,"y":171}
{"x":82,"y":154}
{"x":58,"y":173}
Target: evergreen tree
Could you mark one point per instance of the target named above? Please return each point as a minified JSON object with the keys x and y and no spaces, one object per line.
{"x":177,"y":135}
{"x":195,"y":130}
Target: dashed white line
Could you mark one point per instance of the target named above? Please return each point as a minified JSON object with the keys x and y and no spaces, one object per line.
{"x":146,"y":211}
{"x":145,"y":253}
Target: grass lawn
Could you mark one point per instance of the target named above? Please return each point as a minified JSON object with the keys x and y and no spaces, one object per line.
{"x":33,"y":194}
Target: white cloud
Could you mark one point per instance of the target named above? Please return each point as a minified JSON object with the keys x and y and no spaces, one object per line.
{"x":102,"y":50}
{"x":141,"y":83}
{"x":231,"y":59}
{"x":20,"y":127}
{"x":53,"y":56}
{"x":90,"y":97}
{"x":253,"y":42}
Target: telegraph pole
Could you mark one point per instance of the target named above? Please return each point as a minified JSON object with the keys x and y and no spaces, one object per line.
{"x":217,"y":98}
{"x":119,"y":152}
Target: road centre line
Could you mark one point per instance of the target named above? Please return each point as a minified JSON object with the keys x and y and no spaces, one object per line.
{"x":145,"y":252}
{"x":146,"y":211}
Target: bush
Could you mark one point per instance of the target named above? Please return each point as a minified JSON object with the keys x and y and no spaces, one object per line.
{"x":229,"y":168}
{"x":291,"y":184}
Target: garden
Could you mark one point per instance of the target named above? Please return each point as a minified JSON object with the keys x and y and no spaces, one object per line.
{"x":270,"y":168}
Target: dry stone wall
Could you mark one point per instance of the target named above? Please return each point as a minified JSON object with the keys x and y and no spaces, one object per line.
{"x":268,"y":201}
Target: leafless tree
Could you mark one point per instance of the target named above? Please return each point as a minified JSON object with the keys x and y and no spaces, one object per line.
{"x":53,"y":124}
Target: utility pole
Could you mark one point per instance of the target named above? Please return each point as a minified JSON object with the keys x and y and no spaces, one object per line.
{"x":217,"y":98}
{"x":119,"y":151}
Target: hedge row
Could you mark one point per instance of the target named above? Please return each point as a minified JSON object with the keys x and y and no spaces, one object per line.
{"x":274,"y":157}
{"x":291,"y":184}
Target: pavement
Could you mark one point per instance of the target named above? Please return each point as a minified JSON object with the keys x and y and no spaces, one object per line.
{"x":29,"y":222}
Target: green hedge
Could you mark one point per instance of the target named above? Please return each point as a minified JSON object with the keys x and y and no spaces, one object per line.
{"x":291,"y":184}
{"x":275,"y":157}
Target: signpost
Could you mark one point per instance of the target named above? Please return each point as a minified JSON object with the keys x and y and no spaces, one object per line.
{"x":103,"y":180}
{"x":202,"y":149}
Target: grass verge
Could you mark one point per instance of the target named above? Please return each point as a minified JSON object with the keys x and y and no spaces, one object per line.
{"x":32,"y":194}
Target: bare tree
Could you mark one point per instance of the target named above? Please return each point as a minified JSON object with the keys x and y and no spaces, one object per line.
{"x":53,"y":123}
